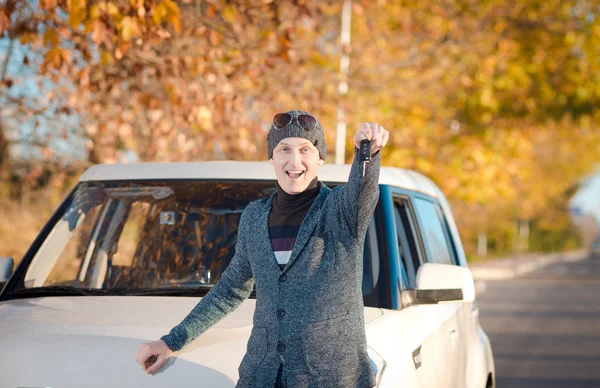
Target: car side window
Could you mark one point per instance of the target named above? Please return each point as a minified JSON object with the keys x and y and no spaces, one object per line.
{"x":409,"y":256}
{"x":433,"y":232}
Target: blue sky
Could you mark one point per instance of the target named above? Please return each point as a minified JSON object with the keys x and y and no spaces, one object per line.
{"x":587,"y":199}
{"x":33,"y":88}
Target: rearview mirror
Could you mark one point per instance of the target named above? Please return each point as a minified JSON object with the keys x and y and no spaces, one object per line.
{"x":438,"y":283}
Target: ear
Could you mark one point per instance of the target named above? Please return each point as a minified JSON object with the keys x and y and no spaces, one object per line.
{"x":271,"y":161}
{"x":321,"y":161}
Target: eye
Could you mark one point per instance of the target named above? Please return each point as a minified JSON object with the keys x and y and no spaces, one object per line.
{"x":305,"y":149}
{"x":284,"y":149}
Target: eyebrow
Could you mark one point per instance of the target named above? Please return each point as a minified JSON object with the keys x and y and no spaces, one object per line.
{"x":298,"y":145}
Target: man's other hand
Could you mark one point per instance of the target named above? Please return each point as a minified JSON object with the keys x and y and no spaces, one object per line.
{"x":153,"y":355}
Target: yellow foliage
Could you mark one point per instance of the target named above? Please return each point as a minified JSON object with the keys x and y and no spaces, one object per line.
{"x":77,"y":12}
{"x":105,"y":8}
{"x":159,"y":13}
{"x":129,"y":28}
{"x":106,"y":58}
{"x":497,"y":104}
{"x":228,"y":14}
{"x":48,"y":5}
{"x":169,"y":12}
{"x":28,"y":38}
{"x":51,"y":38}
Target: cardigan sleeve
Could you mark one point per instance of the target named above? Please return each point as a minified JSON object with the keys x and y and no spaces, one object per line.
{"x":358,"y":198}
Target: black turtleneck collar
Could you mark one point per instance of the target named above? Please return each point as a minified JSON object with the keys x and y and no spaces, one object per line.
{"x":308,"y":195}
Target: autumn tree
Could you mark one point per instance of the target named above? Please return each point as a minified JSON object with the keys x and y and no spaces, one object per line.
{"x":496,"y":101}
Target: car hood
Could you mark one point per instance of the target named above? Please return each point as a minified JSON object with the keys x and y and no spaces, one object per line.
{"x":92,"y":342}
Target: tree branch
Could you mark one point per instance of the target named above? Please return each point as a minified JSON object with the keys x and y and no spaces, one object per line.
{"x":5,"y":63}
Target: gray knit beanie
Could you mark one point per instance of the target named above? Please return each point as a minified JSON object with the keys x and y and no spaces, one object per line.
{"x":316,"y":136}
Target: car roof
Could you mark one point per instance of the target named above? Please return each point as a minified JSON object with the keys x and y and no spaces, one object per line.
{"x":261,"y":171}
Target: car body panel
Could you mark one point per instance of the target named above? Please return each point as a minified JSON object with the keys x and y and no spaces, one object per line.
{"x":99,"y":336}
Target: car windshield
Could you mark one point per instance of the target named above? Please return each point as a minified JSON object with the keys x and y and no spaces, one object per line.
{"x":152,"y":237}
{"x":150,"y":234}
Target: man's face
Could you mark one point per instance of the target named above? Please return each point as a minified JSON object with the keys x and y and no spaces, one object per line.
{"x":295,"y":162}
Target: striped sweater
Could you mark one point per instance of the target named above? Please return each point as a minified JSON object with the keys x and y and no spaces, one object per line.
{"x":285,"y":219}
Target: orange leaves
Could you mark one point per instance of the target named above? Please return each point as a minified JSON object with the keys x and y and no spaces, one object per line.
{"x":285,"y":46}
{"x":27,"y":38}
{"x":167,"y":11}
{"x":211,"y":10}
{"x":105,"y":8}
{"x":98,"y":30}
{"x":204,"y":117}
{"x":83,"y":77}
{"x":55,"y":58}
{"x":48,"y":5}
{"x":51,"y":38}
{"x":4,"y":20}
{"x":159,"y":13}
{"x":138,"y":5}
{"x":129,"y":28}
{"x":106,"y":58}
{"x":77,"y":13}
{"x":122,"y":49}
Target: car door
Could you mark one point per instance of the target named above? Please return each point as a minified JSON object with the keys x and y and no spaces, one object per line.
{"x":425,"y":324}
{"x":468,"y":317}
{"x":436,"y":242}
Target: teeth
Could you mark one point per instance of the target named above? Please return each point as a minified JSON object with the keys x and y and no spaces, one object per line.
{"x":294,"y":173}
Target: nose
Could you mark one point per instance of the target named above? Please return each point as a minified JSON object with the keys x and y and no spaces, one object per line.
{"x":296,"y":158}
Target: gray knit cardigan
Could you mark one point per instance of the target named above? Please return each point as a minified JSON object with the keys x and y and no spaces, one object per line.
{"x":310,"y":315}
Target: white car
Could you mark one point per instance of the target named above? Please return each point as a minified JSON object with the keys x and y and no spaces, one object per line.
{"x":132,"y":248}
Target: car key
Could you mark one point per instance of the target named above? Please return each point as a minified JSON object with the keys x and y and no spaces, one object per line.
{"x":364,"y":153}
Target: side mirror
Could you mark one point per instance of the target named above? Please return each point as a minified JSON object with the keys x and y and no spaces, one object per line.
{"x":6,"y":268}
{"x":437,"y":283}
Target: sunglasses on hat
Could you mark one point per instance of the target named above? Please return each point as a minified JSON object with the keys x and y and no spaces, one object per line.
{"x":282,"y":120}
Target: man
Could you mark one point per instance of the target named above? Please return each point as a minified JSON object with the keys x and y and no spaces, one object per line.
{"x":302,"y":248}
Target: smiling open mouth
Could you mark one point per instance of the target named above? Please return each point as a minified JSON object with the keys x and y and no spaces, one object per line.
{"x":294,"y":174}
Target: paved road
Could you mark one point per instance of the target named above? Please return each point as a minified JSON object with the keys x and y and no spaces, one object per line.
{"x":545,"y":327}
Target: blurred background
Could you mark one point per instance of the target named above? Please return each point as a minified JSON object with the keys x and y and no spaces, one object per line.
{"x":498,"y":102}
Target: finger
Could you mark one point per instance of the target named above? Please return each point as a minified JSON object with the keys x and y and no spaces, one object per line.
{"x":383,"y":136}
{"x":155,"y":367}
{"x":386,"y":137}
{"x":363,"y":130}
{"x":143,"y":360}
{"x":379,"y":136}
{"x":147,"y":358}
{"x":359,"y":136}
{"x":375,"y":140}
{"x":375,"y":148}
{"x":142,"y":364}
{"x":367,"y":131}
{"x":374,"y":131}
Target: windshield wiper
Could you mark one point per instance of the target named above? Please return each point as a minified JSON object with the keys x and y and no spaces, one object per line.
{"x":56,"y":291}
{"x":197,"y":290}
